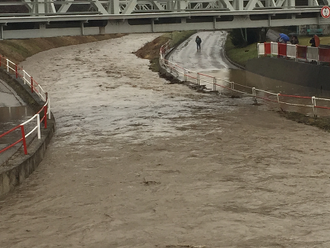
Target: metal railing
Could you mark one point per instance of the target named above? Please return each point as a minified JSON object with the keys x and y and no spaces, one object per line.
{"x":315,"y":104}
{"x":38,"y":118}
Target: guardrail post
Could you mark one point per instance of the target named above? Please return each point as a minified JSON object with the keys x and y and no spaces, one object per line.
{"x":314,"y":104}
{"x":214,"y":84}
{"x":258,"y":49}
{"x":185,"y":75}
{"x":38,"y":125}
{"x":7,"y":65}
{"x":24,"y":78}
{"x":45,"y":116}
{"x":254,"y":94}
{"x":31,"y":84}
{"x":198,"y":78}
{"x":23,"y":138}
{"x":48,"y":109}
{"x":278,"y":100}
{"x":16,"y":72}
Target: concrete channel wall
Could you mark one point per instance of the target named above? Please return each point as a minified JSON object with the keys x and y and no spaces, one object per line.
{"x":20,"y":166}
{"x":290,"y":71}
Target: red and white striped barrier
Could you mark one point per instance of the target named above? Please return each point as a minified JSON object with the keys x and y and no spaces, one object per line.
{"x":298,"y":52}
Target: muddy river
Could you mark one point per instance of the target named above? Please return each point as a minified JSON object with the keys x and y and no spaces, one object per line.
{"x":138,"y":162}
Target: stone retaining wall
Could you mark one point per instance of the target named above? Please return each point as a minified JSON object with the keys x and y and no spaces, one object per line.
{"x":290,"y":71}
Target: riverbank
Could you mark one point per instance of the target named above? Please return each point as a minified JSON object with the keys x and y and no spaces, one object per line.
{"x":18,"y":50}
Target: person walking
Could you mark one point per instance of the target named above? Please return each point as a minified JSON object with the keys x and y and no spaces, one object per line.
{"x":198,"y":42}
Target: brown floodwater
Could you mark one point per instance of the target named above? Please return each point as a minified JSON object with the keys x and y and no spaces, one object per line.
{"x":11,"y":117}
{"x":138,"y":162}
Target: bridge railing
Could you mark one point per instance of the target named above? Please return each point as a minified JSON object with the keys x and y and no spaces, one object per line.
{"x":33,"y":124}
{"x":13,"y":68}
{"x":305,"y":104}
{"x":297,"y":52}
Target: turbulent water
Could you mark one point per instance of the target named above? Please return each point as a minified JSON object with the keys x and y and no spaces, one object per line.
{"x":138,"y":162}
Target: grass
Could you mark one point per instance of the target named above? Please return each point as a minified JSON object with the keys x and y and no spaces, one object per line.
{"x":240,"y":55}
{"x":304,"y":40}
{"x":178,"y":37}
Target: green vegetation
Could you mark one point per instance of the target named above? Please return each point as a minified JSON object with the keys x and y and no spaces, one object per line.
{"x":304,"y":40}
{"x":178,"y":37}
{"x":240,"y":55}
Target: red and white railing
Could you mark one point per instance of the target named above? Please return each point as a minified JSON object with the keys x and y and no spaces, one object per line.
{"x":297,"y":52}
{"x":35,"y":121}
{"x":315,"y":104}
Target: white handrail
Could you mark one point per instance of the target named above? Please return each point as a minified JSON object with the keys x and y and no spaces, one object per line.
{"x":27,"y":79}
{"x":170,"y":67}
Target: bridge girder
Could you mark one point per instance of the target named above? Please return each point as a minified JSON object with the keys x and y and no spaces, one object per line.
{"x":125,"y":7}
{"x":49,"y":18}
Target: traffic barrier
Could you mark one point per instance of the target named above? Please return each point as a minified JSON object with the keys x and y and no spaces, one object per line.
{"x":297,"y":52}
{"x":291,"y":51}
{"x":312,"y":54}
{"x":281,"y":49}
{"x":324,"y":54}
{"x":302,"y":52}
{"x":39,"y":118}
{"x":212,"y":83}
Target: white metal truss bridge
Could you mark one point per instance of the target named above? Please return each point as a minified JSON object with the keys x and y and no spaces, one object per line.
{"x":46,"y":18}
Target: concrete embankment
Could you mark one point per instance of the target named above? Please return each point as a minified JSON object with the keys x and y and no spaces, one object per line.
{"x":299,"y":73}
{"x":20,"y":166}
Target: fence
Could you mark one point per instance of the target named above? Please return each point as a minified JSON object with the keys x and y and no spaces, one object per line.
{"x":315,"y":104}
{"x":38,"y":118}
{"x":297,"y":52}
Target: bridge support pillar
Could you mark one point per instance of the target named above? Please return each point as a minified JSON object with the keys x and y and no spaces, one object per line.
{"x":42,"y":26}
{"x":102,"y":30}
{"x":152,"y":25}
{"x":1,"y":32}
{"x":82,"y":28}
